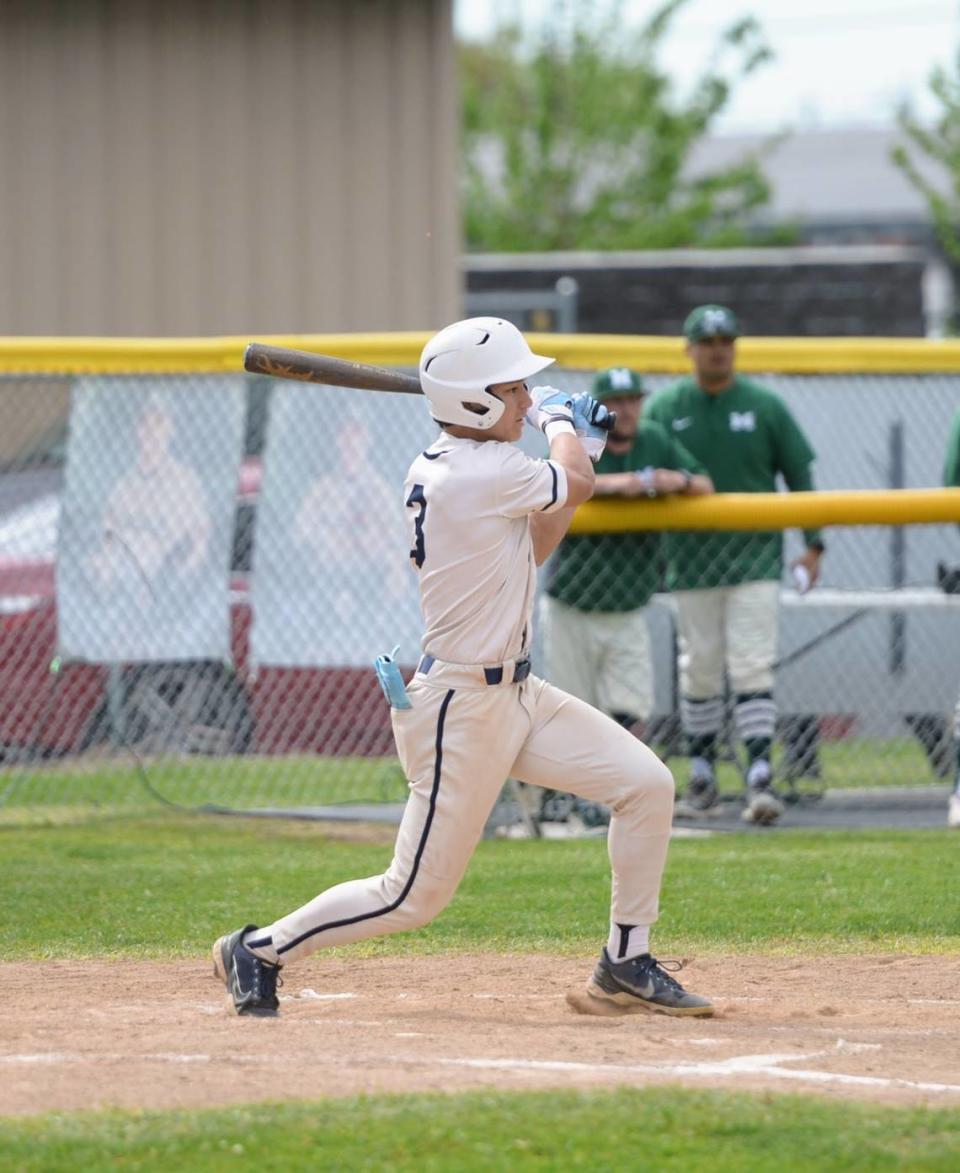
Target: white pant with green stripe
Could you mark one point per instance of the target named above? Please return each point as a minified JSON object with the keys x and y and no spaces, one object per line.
{"x":458,"y":743}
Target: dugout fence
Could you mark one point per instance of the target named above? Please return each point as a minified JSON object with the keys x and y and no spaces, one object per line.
{"x":198,"y":567}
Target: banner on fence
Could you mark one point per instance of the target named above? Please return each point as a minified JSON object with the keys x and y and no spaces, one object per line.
{"x":332,"y":581}
{"x":143,"y":559}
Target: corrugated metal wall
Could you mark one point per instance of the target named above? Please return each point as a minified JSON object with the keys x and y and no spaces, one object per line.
{"x":210,"y":166}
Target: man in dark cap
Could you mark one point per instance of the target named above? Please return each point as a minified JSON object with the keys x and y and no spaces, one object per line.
{"x":727,"y":584}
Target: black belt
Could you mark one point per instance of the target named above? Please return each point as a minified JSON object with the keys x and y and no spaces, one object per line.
{"x":521,"y":670}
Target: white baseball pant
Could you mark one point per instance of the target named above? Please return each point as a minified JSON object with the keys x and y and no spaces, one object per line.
{"x":603,"y":657}
{"x":458,"y":744}
{"x":732,"y":627}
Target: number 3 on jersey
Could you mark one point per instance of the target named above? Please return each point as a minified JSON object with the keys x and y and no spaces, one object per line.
{"x":418,"y":501}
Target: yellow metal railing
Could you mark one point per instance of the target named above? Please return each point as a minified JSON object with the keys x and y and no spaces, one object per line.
{"x":68,"y":356}
{"x":224,"y":354}
{"x":750,"y":511}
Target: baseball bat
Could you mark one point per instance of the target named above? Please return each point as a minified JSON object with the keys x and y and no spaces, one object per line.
{"x":323,"y":368}
{"x":307,"y":367}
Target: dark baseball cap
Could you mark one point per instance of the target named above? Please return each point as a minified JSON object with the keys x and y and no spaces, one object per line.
{"x":616,"y":383}
{"x":710,"y":321}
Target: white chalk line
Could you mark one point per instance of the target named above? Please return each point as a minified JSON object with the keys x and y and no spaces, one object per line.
{"x":892,"y":1032}
{"x":312,"y":995}
{"x":738,"y":1066}
{"x":762,"y":1064}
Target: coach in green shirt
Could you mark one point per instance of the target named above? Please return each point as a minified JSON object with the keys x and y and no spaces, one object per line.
{"x":596,"y":641}
{"x":727,"y":584}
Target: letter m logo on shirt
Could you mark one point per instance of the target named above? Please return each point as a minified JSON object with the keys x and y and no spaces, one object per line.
{"x":742,"y":421}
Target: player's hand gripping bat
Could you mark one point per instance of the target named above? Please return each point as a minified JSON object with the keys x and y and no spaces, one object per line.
{"x":307,"y":367}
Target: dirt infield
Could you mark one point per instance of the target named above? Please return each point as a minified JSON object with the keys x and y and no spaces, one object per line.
{"x":157,"y":1035}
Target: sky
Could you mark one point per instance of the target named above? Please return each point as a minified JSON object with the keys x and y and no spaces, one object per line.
{"x":837,"y":63}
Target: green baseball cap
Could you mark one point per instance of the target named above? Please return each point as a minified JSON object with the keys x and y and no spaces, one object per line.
{"x":710,"y":321}
{"x":616,"y":383}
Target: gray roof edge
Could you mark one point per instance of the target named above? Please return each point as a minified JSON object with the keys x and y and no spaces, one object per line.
{"x":698,"y":258}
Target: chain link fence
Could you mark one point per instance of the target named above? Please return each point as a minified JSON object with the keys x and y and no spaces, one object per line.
{"x":198,"y":570}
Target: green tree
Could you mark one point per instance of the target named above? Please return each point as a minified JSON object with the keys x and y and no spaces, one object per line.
{"x":935,"y":151}
{"x":574,"y":138}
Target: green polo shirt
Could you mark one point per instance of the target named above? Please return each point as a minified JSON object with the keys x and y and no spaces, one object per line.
{"x":618,"y":572}
{"x":745,"y":436}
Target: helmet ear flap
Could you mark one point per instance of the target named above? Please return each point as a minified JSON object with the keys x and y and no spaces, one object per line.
{"x":460,"y":363}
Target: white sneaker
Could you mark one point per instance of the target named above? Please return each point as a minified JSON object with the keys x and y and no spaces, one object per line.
{"x":953,"y":810}
{"x":763,"y":807}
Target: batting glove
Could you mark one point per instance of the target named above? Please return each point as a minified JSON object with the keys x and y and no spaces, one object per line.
{"x":592,"y":422}
{"x":550,"y":406}
{"x":589,"y":412}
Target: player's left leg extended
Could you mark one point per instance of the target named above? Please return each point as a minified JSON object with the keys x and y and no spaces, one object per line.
{"x":456,"y":744}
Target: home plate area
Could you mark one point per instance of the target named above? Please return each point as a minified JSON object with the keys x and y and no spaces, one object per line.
{"x":159,"y":1035}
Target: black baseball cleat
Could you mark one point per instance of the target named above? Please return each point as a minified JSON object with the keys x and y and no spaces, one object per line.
{"x":644,"y":981}
{"x":251,"y":982}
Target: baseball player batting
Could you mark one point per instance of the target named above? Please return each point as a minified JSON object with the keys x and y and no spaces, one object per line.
{"x":482,"y":516}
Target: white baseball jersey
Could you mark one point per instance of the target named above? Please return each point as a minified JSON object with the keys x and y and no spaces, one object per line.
{"x":468,"y":509}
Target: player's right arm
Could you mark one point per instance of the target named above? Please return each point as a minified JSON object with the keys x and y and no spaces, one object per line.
{"x":547,"y":529}
{"x":567,"y":451}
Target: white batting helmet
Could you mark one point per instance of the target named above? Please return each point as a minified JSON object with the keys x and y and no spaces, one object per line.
{"x":463,"y":360}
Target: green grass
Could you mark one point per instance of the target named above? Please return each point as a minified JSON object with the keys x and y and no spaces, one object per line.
{"x":165,"y":886}
{"x":59,"y":792}
{"x":120,"y":888}
{"x":845,"y":764}
{"x":625,"y":1129}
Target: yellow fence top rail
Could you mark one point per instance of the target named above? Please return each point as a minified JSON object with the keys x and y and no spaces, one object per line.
{"x":217,"y":355}
{"x":750,"y":511}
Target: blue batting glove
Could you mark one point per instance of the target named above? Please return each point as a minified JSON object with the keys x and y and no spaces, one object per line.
{"x":592,"y":422}
{"x":549,"y":406}
{"x":591,"y":413}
